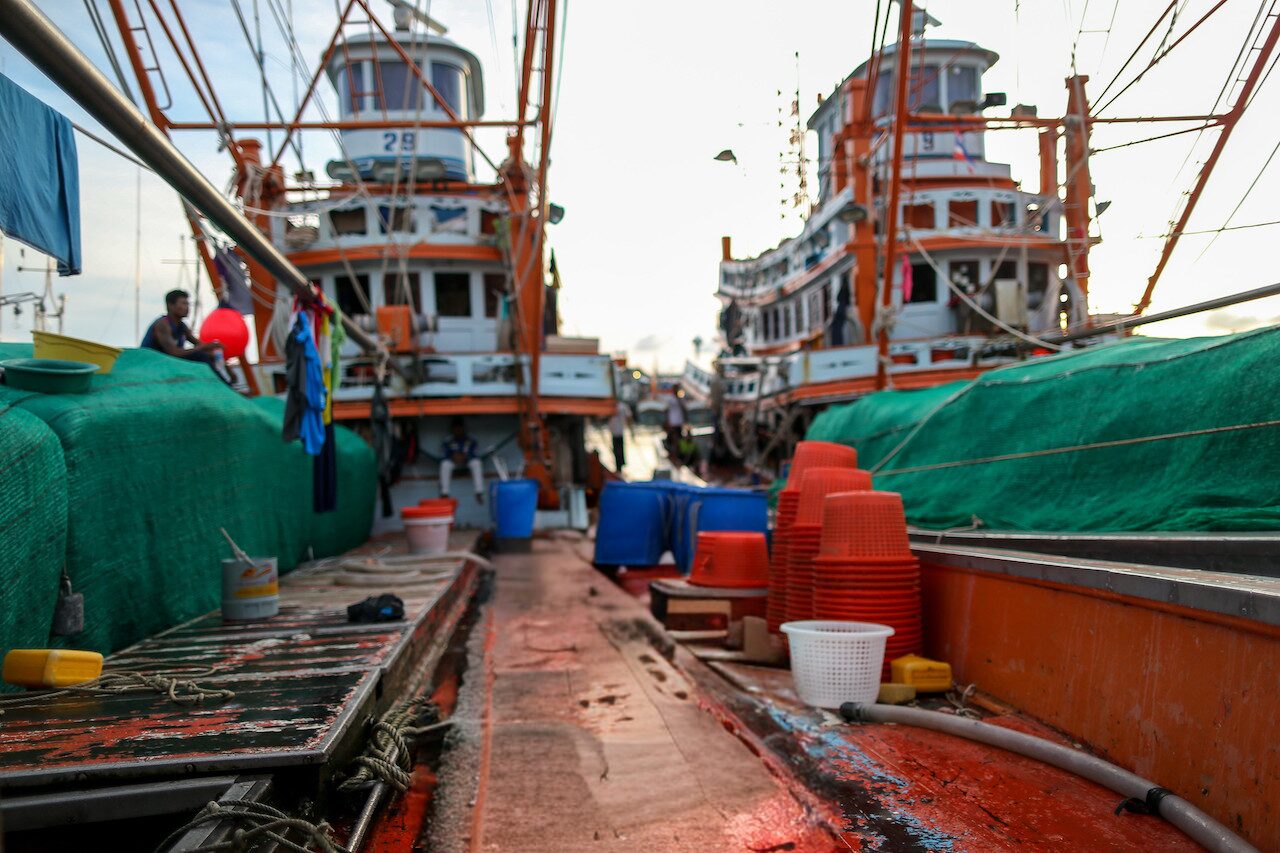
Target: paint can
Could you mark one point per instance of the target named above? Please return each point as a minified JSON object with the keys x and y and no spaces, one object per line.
{"x":250,"y":590}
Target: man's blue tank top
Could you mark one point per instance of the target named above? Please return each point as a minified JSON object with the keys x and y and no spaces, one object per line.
{"x":179,"y":330}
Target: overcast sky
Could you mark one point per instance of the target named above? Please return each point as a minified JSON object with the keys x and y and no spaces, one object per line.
{"x":650,"y":93}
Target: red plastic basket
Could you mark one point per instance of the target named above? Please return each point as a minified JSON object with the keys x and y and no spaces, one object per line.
{"x":730,"y":559}
{"x":817,"y":483}
{"x":818,"y":454}
{"x":800,"y":553}
{"x":865,"y":525}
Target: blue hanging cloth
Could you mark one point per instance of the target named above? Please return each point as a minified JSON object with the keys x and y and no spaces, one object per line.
{"x":39,"y":177}
{"x":305,"y":401}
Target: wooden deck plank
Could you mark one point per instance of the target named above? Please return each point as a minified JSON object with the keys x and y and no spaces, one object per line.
{"x":302,"y":681}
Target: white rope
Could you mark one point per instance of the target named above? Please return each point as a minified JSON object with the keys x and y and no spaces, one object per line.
{"x":1097,"y":445}
{"x":978,"y":309}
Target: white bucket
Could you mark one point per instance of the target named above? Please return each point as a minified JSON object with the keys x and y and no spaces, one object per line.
{"x":250,"y":590}
{"x":836,"y":662}
{"x":428,"y":535}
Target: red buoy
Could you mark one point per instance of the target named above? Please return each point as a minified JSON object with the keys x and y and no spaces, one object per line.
{"x":228,"y":328}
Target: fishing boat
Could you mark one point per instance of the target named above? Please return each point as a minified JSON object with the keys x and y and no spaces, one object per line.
{"x":1078,"y":633}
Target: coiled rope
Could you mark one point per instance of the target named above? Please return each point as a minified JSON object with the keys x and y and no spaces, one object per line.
{"x":180,"y":690}
{"x":387,"y":757}
{"x":257,"y":823}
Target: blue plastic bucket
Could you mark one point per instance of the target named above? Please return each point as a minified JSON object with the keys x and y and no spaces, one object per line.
{"x":683,"y":495}
{"x":719,"y":509}
{"x":633,"y":526}
{"x":514,"y":503}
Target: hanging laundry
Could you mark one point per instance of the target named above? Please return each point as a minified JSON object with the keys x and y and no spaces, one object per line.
{"x":324,"y":475}
{"x":235,"y":280}
{"x":305,"y":400}
{"x":449,"y":219}
{"x":39,"y":177}
{"x":383,"y":442}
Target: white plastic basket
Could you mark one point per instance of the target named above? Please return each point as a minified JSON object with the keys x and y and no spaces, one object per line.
{"x":836,"y":662}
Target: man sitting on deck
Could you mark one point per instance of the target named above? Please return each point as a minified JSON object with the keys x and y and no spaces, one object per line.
{"x":460,"y":449}
{"x":169,"y":334}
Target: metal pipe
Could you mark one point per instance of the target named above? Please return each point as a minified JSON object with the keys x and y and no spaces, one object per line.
{"x":35,"y":36}
{"x":1172,"y":313}
{"x":901,"y":72}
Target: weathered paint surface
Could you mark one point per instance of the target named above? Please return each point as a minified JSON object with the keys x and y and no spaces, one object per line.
{"x":899,"y":788}
{"x":298,"y":679}
{"x":1184,"y":698}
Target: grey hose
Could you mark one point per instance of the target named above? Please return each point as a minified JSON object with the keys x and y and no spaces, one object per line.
{"x":1192,"y":821}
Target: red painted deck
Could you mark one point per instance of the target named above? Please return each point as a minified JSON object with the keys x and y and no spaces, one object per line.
{"x":585,"y":728}
{"x":583,"y":736}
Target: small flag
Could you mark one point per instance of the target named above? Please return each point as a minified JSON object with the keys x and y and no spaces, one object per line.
{"x":960,"y":152}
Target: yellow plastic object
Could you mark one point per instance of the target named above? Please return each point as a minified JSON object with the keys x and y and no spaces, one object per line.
{"x":50,"y":667}
{"x":892,"y":693}
{"x":67,"y":348}
{"x":927,"y":676}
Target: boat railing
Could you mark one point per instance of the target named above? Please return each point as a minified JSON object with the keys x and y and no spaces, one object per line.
{"x":774,"y":375}
{"x":500,"y":374}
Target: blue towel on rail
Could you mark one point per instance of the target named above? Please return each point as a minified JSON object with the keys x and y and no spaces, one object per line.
{"x":39,"y":177}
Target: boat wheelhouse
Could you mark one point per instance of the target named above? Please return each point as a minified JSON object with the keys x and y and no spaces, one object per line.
{"x":982,"y":265}
{"x":405,"y":240}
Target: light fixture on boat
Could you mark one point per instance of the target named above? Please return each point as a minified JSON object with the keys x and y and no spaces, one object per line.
{"x":994,"y":99}
{"x":727,"y":156}
{"x":853,"y":213}
{"x":555,"y":213}
{"x":429,"y":169}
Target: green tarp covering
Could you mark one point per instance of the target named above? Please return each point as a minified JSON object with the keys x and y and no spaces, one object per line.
{"x":147,"y":467}
{"x":33,"y":527}
{"x":1185,"y":427}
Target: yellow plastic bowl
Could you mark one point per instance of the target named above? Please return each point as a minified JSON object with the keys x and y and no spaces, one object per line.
{"x":66,"y":348}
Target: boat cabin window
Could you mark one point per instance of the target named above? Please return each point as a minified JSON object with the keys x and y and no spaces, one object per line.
{"x":965,"y":275}
{"x":924,"y":284}
{"x":495,"y":285}
{"x":352,"y":294}
{"x":786,"y":321}
{"x":923,"y":90}
{"x":962,"y":214}
{"x":920,"y":215}
{"x":1002,"y":215}
{"x":1037,"y":284}
{"x":447,"y":80}
{"x":488,"y":222}
{"x":401,"y":88}
{"x":1007,"y":270}
{"x":395,"y":219}
{"x":351,"y":88}
{"x":351,"y":221}
{"x":400,"y":289}
{"x":962,"y":89}
{"x":453,"y":294}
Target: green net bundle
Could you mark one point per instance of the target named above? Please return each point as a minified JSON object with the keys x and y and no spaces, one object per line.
{"x":1144,"y":434}
{"x":150,"y":463}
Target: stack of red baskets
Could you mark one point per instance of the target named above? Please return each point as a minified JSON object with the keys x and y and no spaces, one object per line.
{"x":730,"y":559}
{"x":809,"y":454}
{"x":806,"y":532}
{"x":865,"y":571}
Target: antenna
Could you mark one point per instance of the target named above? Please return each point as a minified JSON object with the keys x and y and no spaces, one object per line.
{"x":795,"y":155}
{"x":404,"y":10}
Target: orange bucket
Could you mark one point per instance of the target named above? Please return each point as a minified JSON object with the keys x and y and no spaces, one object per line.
{"x":817,"y":483}
{"x":730,"y":559}
{"x":865,"y":525}
{"x":451,"y":503}
{"x":818,"y":454}
{"x":776,"y":610}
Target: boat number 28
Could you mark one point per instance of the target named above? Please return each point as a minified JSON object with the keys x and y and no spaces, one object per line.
{"x":398,"y":141}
